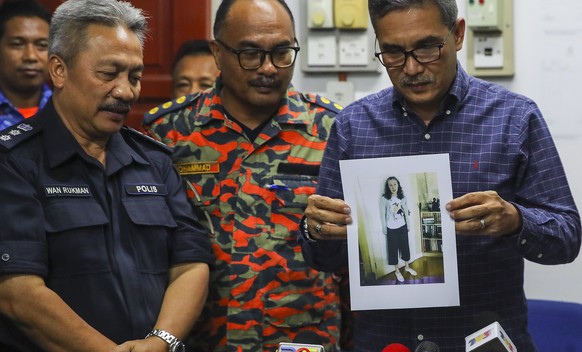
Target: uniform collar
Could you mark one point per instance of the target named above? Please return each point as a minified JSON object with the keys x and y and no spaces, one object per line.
{"x":62,"y":146}
{"x":292,"y":108}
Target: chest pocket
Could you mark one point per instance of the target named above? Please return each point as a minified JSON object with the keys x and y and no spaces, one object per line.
{"x":154,"y":222}
{"x":76,"y":235}
{"x":291,"y":193}
{"x":149,"y":211}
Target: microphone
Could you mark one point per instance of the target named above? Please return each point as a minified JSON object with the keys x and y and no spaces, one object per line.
{"x":427,"y":346}
{"x":308,"y":336}
{"x":395,"y":347}
{"x":304,"y":341}
{"x":491,"y":338}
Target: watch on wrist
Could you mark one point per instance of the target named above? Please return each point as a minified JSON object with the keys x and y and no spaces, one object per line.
{"x":175,"y":344}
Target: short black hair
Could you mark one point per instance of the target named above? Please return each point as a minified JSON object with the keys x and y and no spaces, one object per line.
{"x":21,"y":8}
{"x":224,"y":9}
{"x":192,"y":47}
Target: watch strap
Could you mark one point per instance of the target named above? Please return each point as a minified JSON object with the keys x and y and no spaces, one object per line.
{"x":173,"y":341}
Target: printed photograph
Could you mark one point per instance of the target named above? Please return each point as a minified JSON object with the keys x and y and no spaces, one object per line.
{"x":402,"y":238}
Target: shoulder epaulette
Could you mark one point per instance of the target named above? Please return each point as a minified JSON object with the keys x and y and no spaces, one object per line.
{"x":323,"y":102}
{"x":144,"y":137}
{"x":16,"y":134}
{"x":168,"y":107}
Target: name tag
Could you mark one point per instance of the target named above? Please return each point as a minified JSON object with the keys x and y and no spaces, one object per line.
{"x":208,"y":167}
{"x":67,"y":191}
{"x":143,"y":189}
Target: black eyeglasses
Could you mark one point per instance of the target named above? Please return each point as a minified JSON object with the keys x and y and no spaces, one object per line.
{"x":396,"y":57}
{"x":252,"y":59}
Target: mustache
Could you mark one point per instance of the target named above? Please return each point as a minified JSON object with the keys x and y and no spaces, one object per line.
{"x":265,"y":81}
{"x":116,"y":106}
{"x":409,"y":81}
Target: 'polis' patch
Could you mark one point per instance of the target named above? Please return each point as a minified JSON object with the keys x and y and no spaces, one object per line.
{"x":206,"y":167}
{"x":146,"y":189}
{"x":67,"y":191}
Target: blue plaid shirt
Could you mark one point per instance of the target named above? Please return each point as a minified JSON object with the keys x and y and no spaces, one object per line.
{"x":9,"y":114}
{"x":497,"y":140}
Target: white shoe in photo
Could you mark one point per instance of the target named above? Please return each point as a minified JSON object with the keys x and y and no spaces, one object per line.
{"x":399,"y":276}
{"x":411,"y":271}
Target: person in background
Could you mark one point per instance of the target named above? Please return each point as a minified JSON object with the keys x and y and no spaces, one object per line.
{"x":194,"y":68}
{"x":100,"y":249}
{"x":511,"y":200}
{"x":249,"y":151}
{"x":24,"y":31}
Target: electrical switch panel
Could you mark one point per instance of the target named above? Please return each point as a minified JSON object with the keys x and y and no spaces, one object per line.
{"x":337,"y":37}
{"x":489,"y":38}
{"x":485,"y":14}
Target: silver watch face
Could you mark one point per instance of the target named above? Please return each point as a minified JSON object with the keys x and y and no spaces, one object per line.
{"x":179,"y":347}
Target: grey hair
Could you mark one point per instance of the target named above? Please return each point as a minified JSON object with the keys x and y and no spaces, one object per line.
{"x":447,"y":8}
{"x":68,"y":28}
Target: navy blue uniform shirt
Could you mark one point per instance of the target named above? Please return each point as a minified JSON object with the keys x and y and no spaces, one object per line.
{"x":103,"y":238}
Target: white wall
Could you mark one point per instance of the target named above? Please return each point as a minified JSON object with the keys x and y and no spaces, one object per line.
{"x":548,"y":36}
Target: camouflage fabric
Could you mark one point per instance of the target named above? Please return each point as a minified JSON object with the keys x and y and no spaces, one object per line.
{"x":252,"y":195}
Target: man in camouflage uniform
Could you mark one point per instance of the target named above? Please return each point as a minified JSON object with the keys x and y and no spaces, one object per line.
{"x":249,"y":151}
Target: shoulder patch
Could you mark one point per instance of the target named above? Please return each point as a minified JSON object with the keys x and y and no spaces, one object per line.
{"x":144,"y":137}
{"x":323,"y":102}
{"x":168,"y":107}
{"x":14,"y":135}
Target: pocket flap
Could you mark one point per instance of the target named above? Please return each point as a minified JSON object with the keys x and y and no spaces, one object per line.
{"x":73,"y":213}
{"x":149,"y":211}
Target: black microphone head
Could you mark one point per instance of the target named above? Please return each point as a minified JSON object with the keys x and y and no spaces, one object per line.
{"x":427,"y":346}
{"x":308,"y":337}
{"x":483,"y":319}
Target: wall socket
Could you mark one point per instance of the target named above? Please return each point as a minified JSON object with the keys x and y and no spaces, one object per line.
{"x":341,"y":92}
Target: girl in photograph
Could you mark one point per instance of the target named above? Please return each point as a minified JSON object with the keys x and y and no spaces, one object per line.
{"x":395,"y":225}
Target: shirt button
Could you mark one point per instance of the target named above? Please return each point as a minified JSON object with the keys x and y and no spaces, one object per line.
{"x":420,"y":337}
{"x":405,"y":114}
{"x":427,"y":136}
{"x":540,"y":256}
{"x":448,"y":112}
{"x":523,"y":241}
{"x":5,"y":257}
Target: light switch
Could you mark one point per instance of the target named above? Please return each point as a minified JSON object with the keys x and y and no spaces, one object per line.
{"x":488,"y":51}
{"x":351,"y":14}
{"x":322,"y":49}
{"x":320,"y":14}
{"x":353,"y":49}
{"x":341,"y":92}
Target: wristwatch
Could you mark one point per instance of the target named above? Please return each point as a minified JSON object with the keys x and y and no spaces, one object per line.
{"x":175,"y":344}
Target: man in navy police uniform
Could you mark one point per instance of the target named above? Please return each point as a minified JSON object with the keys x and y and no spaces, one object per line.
{"x":99,"y":247}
